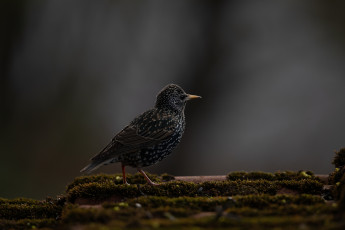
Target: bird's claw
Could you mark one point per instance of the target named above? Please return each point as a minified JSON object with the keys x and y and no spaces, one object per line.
{"x":153,"y":184}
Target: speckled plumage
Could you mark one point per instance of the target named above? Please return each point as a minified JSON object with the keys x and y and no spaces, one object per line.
{"x":150,"y":137}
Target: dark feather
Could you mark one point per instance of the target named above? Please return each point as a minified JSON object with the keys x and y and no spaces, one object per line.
{"x":129,"y":140}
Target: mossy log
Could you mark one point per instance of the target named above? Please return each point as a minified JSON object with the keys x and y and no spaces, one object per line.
{"x":241,"y":200}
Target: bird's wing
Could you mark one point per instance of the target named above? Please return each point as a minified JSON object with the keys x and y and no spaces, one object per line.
{"x":129,"y":140}
{"x":129,"y":136}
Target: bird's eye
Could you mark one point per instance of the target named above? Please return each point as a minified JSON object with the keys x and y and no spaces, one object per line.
{"x":182,"y":97}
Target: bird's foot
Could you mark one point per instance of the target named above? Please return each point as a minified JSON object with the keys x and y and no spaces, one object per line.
{"x":147,"y":178}
{"x":152,"y":183}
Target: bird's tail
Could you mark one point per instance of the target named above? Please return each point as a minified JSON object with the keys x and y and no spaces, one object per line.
{"x":95,"y":164}
{"x":91,"y":167}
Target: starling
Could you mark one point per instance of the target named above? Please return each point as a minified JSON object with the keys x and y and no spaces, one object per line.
{"x":150,"y":137}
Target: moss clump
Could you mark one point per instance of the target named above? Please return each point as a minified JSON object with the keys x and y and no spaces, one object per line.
{"x":339,"y":163}
{"x":74,"y":214}
{"x":105,"y":190}
{"x":118,"y":211}
{"x":336,"y":175}
{"x":246,"y":201}
{"x":301,"y":175}
{"x":20,"y":201}
{"x":342,"y":194}
{"x":337,"y":178}
{"x":339,"y":192}
{"x":117,"y":179}
{"x":167,"y":177}
{"x":231,"y":188}
{"x":339,"y":158}
{"x":163,"y":208}
{"x":101,"y":191}
{"x":28,"y":223}
{"x":22,"y":208}
{"x":195,"y":203}
{"x":209,"y":203}
{"x":308,"y":186}
{"x":263,"y":201}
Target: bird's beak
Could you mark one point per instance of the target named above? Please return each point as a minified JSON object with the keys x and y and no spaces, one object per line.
{"x":190,"y":96}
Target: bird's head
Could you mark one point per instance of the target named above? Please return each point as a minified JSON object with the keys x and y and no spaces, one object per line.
{"x":173,"y":97}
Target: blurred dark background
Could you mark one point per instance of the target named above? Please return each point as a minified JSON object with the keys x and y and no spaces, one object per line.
{"x":74,"y":73}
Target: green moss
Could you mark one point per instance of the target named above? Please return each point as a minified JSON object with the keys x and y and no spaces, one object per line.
{"x":308,"y":186}
{"x":101,"y":191}
{"x":339,"y":163}
{"x":244,"y":201}
{"x":20,"y":201}
{"x":22,"y":208}
{"x":196,"y":203}
{"x":209,"y":203}
{"x":339,"y":158}
{"x":106,"y":215}
{"x":263,"y":201}
{"x":301,"y":175}
{"x":167,"y":177}
{"x":337,"y":178}
{"x":118,"y":211}
{"x":105,"y":190}
{"x":117,"y":179}
{"x":28,"y":223}
{"x":74,"y":214}
{"x":157,"y":208}
{"x":340,"y":193}
{"x":336,"y":175}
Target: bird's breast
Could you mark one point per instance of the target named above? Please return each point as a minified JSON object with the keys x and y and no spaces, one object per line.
{"x":156,"y":153}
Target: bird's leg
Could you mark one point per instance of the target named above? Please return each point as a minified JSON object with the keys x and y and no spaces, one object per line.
{"x":147,"y":178}
{"x":124,"y":174}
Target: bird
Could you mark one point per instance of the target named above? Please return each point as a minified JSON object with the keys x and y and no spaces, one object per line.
{"x":150,"y":137}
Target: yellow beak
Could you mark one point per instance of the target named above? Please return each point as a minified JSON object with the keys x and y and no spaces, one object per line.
{"x":190,"y":96}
